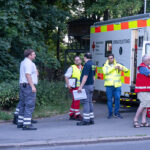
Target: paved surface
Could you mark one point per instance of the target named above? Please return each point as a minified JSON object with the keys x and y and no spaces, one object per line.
{"x":59,"y":128}
{"x":140,"y":145}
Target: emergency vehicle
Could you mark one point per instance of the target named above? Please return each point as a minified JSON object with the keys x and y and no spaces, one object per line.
{"x":128,"y":39}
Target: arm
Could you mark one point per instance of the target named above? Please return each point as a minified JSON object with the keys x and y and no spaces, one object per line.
{"x":94,"y":78}
{"x":67,"y":75}
{"x":37,"y":72}
{"x":85,"y":76}
{"x":107,"y":69}
{"x":122,"y":68}
{"x":67,"y":83}
{"x":83,"y":82}
{"x":29,"y":79}
{"x":145,"y":71}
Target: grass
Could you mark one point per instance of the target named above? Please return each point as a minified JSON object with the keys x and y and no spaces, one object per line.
{"x":40,"y":112}
{"x":6,"y":115}
{"x":51,"y":110}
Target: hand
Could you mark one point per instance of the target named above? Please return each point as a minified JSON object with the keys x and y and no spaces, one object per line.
{"x":33,"y":89}
{"x":69,"y":87}
{"x":79,"y":89}
{"x":120,"y":68}
{"x":37,"y":72}
{"x":117,"y":67}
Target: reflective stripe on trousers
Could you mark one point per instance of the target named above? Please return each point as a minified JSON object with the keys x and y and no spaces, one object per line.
{"x":88,"y":113}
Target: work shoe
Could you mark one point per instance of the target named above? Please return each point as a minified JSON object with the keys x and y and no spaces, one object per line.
{"x":72,"y":117}
{"x":15,"y":119}
{"x":83,"y":123}
{"x":92,"y":122}
{"x":34,"y":121}
{"x":29,"y":127}
{"x":118,"y":116}
{"x":20,"y":126}
{"x":109,"y":116}
{"x":79,"y":118}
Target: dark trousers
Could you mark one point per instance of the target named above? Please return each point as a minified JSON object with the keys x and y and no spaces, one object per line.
{"x":88,"y":114}
{"x":27,"y":104}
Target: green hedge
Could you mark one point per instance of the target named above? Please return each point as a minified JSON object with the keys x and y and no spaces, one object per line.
{"x":51,"y":92}
{"x":47,"y":93}
{"x":9,"y":94}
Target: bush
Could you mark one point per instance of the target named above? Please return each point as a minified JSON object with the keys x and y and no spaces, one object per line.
{"x":51,"y":92}
{"x":47,"y":93}
{"x":9,"y":94}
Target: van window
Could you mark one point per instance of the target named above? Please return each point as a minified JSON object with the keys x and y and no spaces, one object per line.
{"x":147,"y":48}
{"x":140,"y":41}
{"x":108,"y":48}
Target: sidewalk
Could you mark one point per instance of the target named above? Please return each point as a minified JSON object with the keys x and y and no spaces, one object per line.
{"x":59,"y":129}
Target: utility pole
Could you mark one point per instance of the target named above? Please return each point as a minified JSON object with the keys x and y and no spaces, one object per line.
{"x":145,"y":2}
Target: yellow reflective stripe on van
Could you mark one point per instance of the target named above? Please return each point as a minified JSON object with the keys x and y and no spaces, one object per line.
{"x":104,"y":28}
{"x":133,"y":24}
{"x":92,"y":29}
{"x":117,"y":27}
{"x":148,"y":22}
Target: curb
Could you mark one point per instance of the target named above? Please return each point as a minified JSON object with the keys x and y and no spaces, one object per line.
{"x":74,"y":142}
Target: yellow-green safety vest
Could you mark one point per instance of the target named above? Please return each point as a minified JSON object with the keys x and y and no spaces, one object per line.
{"x":112,"y":75}
{"x":76,"y":74}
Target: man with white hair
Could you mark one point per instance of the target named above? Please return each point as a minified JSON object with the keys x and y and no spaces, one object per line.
{"x":142,"y":89}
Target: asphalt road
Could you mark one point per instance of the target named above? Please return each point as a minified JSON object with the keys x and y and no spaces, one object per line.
{"x":134,"y":145}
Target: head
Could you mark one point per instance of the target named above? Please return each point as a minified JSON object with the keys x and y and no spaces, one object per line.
{"x":87,"y":57}
{"x":146,"y":60}
{"x":29,"y":53}
{"x":77,"y":60}
{"x":111,"y":58}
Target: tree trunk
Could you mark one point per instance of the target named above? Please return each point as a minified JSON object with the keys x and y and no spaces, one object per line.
{"x":106,"y":15}
{"x":58,"y":42}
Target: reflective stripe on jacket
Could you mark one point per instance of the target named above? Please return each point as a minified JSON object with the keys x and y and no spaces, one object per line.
{"x":112,"y":75}
{"x":142,"y":81}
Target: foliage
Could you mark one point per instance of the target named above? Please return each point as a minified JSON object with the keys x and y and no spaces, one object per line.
{"x":9,"y":94}
{"x":112,"y":8}
{"x":5,"y":115}
{"x":52,"y":93}
{"x":27,"y":24}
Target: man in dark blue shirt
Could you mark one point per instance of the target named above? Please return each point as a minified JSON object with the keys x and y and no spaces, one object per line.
{"x":87,"y":83}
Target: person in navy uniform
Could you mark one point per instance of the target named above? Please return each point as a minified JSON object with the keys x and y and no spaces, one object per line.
{"x":87,"y":83}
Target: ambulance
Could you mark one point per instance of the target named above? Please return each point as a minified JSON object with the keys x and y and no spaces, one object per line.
{"x":128,"y":39}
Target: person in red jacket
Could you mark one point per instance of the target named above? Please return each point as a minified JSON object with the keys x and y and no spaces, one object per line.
{"x":142,"y":88}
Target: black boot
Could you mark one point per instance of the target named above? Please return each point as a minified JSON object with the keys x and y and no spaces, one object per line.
{"x":20,"y":126}
{"x":83,"y":123}
{"x":15,"y":120}
{"x":79,"y":118}
{"x":92,"y":122}
{"x":29,"y":127}
{"x":34,"y":121}
{"x":72,"y":117}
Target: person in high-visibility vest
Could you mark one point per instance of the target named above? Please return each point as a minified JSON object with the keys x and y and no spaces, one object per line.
{"x":112,"y":72}
{"x":74,"y":71}
{"x":142,"y":88}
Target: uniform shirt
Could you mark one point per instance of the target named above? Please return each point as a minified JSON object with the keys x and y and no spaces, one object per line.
{"x":89,"y":70}
{"x":28,"y":67}
{"x":145,"y":71}
{"x":69,"y":71}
